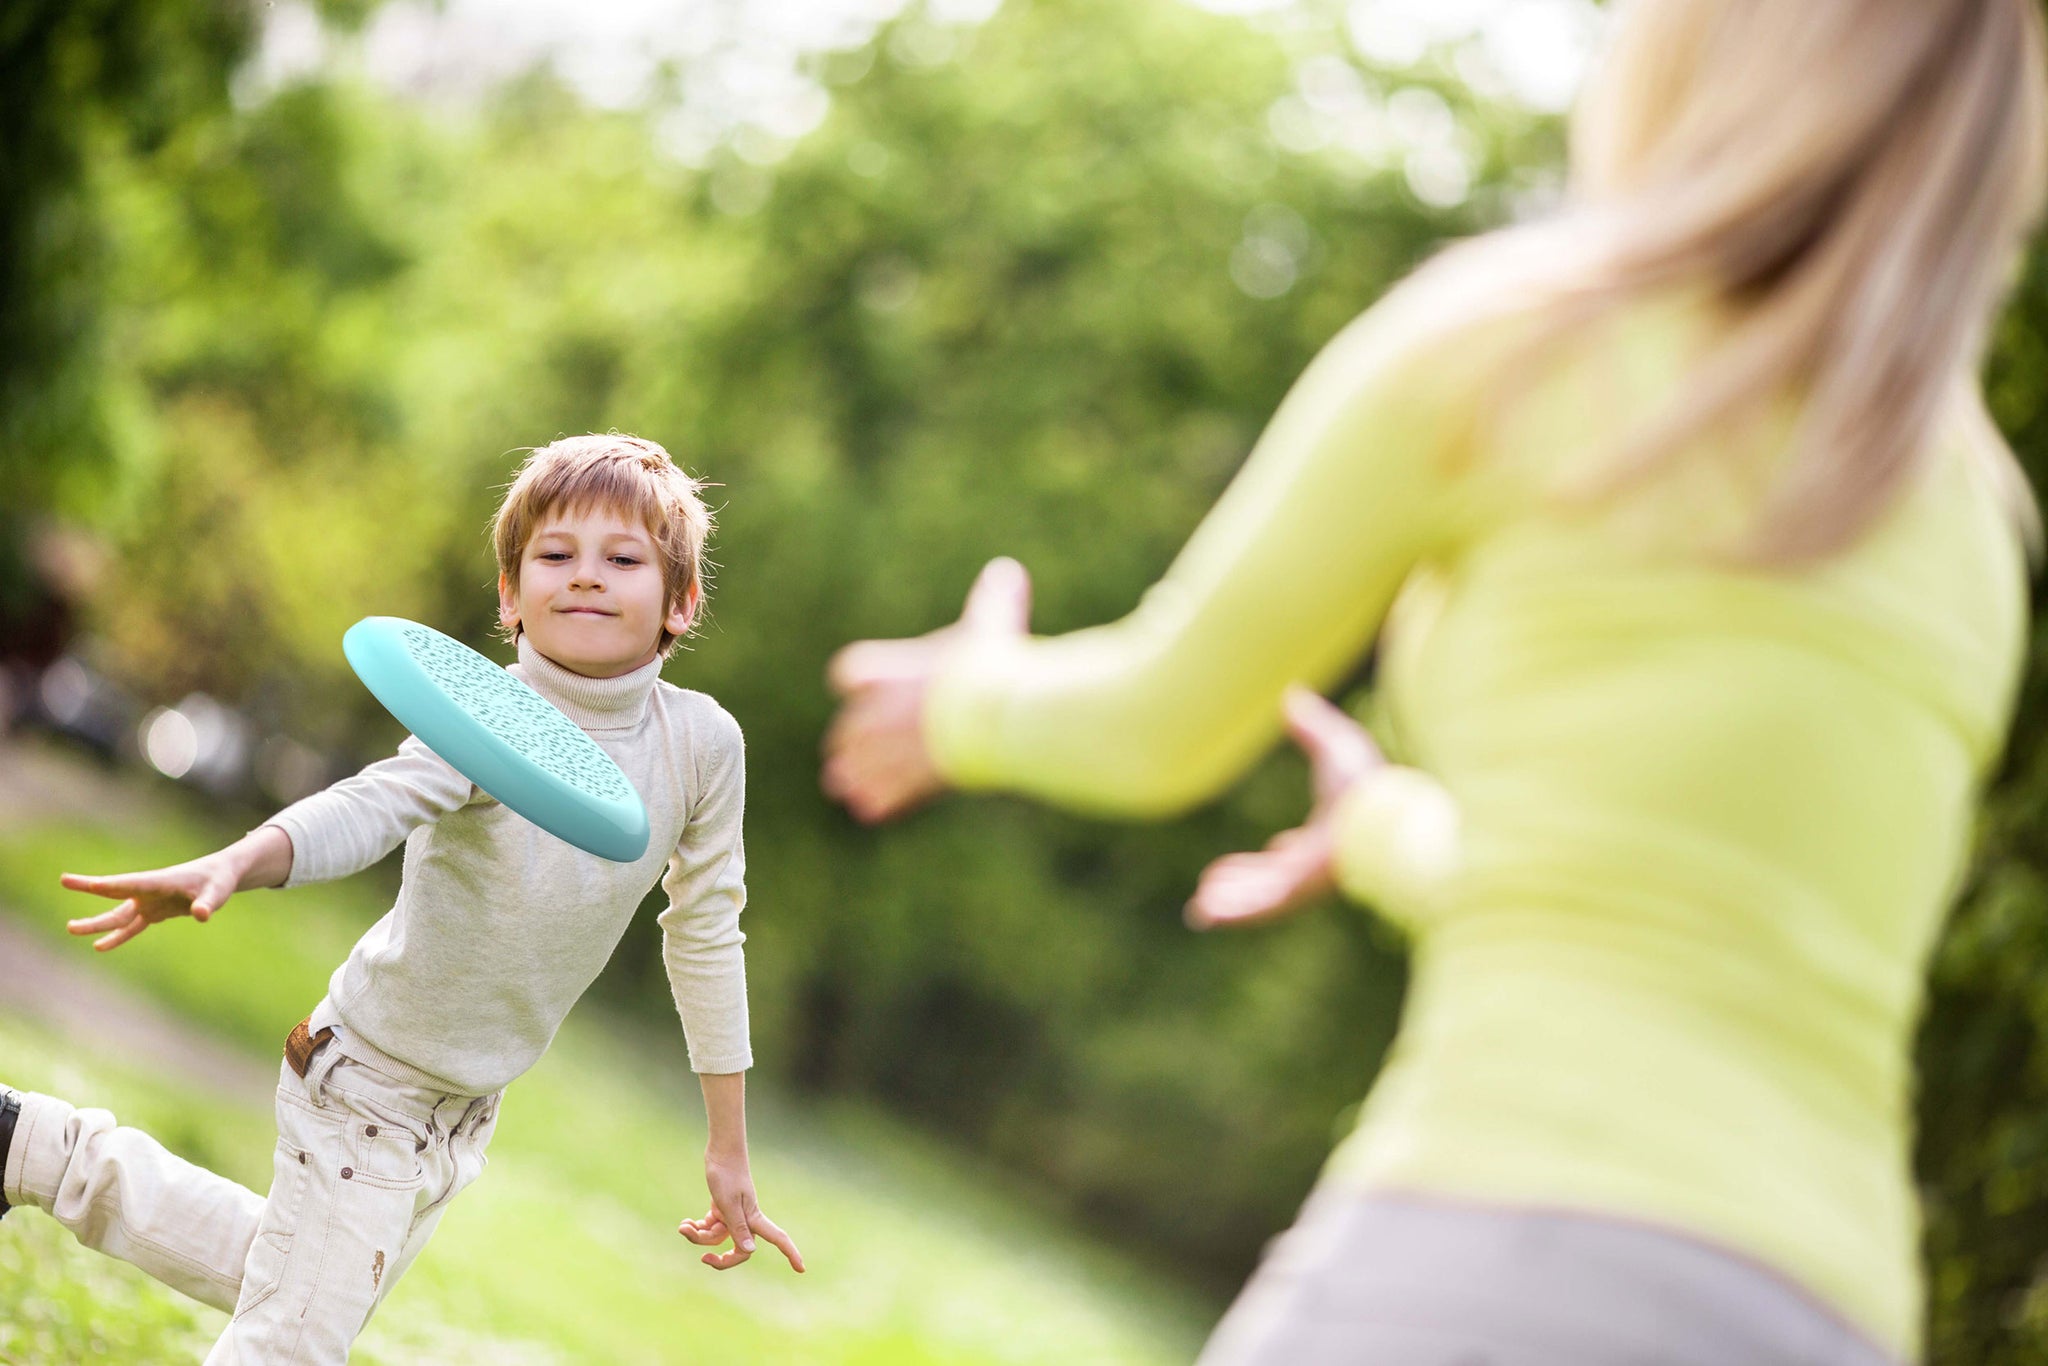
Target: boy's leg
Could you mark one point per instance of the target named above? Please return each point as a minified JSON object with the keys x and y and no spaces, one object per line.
{"x":461,"y":1161}
{"x":121,"y":1192}
{"x":356,"y":1168}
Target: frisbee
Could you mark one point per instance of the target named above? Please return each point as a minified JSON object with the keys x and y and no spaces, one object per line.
{"x":500,"y":734}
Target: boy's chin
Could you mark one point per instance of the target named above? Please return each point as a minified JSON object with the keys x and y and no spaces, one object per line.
{"x":590,"y":663}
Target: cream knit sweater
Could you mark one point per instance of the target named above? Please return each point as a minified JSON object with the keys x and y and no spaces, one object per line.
{"x":499,"y":926}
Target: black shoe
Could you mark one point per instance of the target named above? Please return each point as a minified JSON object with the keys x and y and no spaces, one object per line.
{"x":10,"y":1106}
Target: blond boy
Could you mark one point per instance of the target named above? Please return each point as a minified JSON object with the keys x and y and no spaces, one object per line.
{"x":389,"y":1091}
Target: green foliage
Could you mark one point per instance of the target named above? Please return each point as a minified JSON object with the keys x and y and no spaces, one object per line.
{"x":1983,"y":1143}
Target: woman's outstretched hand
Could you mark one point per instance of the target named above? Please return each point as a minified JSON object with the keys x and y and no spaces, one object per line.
{"x":1296,"y":865}
{"x":876,"y":764}
{"x":198,"y":889}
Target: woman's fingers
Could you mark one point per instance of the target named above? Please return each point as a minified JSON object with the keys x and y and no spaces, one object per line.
{"x":1340,"y":750}
{"x":1247,"y":888}
{"x":1243,"y":889}
{"x":999,"y":603}
{"x":866,"y":663}
{"x":875,"y":764}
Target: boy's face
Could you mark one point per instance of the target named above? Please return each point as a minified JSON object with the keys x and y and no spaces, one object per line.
{"x":589,"y":593}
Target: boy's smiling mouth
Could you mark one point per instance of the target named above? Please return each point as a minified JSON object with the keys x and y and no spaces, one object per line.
{"x":590,"y":611}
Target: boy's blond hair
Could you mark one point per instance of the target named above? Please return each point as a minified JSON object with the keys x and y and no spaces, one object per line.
{"x":628,"y":475}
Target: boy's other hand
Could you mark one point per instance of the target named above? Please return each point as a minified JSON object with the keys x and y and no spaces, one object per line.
{"x":735,"y":1213}
{"x":198,"y":889}
{"x":876,"y":763}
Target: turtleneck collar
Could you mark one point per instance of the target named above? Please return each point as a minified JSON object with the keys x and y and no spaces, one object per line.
{"x":592,"y":703}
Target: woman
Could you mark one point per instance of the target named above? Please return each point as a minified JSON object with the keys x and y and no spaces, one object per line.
{"x":1699,"y":577}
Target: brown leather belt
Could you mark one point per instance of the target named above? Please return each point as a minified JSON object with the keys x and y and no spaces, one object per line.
{"x":300,"y":1043}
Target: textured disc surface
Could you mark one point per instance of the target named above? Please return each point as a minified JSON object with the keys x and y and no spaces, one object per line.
{"x":494,"y":729}
{"x":516,"y":714}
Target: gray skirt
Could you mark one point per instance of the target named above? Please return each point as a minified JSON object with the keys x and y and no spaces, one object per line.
{"x":1400,"y":1280}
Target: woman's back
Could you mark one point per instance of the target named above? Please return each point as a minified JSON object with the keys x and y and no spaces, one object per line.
{"x":1711,"y":819}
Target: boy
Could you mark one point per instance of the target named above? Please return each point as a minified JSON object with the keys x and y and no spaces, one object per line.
{"x":389,"y":1090}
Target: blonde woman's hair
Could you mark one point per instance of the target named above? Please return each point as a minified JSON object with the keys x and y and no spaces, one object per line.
{"x":1855,"y":179}
{"x":627,"y":475}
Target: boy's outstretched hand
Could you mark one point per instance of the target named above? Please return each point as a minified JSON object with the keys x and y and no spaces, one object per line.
{"x":735,"y":1213}
{"x":198,"y":889}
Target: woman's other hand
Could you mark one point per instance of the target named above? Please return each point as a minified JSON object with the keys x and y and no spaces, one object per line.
{"x":1296,"y":865}
{"x":876,"y":763}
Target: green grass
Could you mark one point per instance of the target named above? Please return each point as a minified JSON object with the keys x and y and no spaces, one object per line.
{"x":565,"y":1251}
{"x":247,"y":975}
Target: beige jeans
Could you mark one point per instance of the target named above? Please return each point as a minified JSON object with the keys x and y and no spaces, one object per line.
{"x":365,"y":1165}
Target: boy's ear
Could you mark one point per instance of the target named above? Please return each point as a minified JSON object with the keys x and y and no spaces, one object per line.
{"x":678,"y":622}
{"x":508,"y":609}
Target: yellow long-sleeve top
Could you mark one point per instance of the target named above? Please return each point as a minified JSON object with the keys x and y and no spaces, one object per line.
{"x":1672,"y":840}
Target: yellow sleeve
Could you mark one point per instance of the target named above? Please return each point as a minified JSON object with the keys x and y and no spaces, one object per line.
{"x":1398,"y":842}
{"x":1286,"y":580}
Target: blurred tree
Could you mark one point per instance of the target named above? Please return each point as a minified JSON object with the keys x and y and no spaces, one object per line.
{"x":1983,"y":1057}
{"x":75,"y":77}
{"x":82,"y":81}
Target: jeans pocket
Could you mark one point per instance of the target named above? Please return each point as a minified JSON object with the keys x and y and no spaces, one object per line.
{"x":263,"y":1270}
{"x":384,"y":1152}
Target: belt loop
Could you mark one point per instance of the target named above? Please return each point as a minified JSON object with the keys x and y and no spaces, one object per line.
{"x":320,"y":1068}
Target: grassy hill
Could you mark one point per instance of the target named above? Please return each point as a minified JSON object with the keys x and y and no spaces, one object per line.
{"x":565,"y":1251}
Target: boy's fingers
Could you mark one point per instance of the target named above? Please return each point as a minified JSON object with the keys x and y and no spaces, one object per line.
{"x":734,"y":1219}
{"x":768,"y":1229}
{"x":105,"y":920}
{"x":724,"y":1261}
{"x":127,"y":884}
{"x":121,"y":936}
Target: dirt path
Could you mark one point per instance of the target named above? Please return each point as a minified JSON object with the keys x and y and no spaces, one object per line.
{"x":60,"y":990}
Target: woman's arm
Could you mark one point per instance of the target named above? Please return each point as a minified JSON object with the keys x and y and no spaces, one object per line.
{"x":1287,"y":580}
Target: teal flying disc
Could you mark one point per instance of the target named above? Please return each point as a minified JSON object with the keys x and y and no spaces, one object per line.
{"x":500,"y":734}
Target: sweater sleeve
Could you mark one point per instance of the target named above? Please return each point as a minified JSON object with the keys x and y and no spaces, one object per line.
{"x":351,"y":825}
{"x":706,"y":883}
{"x":1285,"y":580}
{"x":1398,"y":843}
